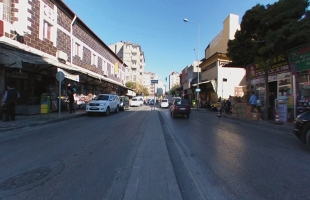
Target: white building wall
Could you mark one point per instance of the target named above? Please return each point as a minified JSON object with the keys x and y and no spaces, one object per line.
{"x":219,"y":43}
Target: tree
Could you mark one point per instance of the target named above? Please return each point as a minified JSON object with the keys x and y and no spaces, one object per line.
{"x":269,"y":31}
{"x":173,"y":90}
{"x":138,"y":88}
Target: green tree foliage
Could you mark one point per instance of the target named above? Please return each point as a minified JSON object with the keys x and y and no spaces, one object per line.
{"x":174,"y":90}
{"x":268,"y":31}
{"x":138,"y":88}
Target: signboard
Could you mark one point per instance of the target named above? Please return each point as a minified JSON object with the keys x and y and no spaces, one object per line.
{"x":60,"y":76}
{"x":299,"y":58}
{"x":154,"y":81}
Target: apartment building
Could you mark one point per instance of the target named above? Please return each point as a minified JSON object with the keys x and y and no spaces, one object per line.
{"x":133,"y":56}
{"x":42,"y":38}
{"x":216,"y":80}
{"x":174,"y":79}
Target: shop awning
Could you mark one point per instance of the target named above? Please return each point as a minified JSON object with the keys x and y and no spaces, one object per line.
{"x":100,"y":77}
{"x":14,"y":59}
{"x":212,"y":82}
{"x":201,"y":83}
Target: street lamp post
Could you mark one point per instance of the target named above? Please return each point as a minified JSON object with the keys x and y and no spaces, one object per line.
{"x":197,"y":90}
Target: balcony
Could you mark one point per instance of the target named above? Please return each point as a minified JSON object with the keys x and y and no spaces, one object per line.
{"x":134,"y":57}
{"x":134,"y":50}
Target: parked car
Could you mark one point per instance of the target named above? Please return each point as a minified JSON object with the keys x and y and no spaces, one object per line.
{"x":135,"y":101}
{"x":124,"y":103}
{"x":151,"y":102}
{"x":180,"y":107}
{"x":164,"y":103}
{"x":103,"y":103}
{"x":302,"y":127}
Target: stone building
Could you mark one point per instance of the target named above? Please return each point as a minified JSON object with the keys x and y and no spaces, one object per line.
{"x":38,"y":39}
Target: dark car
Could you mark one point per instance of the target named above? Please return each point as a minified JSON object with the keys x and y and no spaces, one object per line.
{"x":124,"y":102}
{"x":302,"y":127}
{"x":180,"y":107}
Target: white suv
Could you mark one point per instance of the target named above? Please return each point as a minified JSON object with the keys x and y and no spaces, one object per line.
{"x":103,"y":103}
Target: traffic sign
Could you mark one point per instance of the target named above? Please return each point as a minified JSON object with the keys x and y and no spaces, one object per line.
{"x":154,"y":81}
{"x":60,"y":76}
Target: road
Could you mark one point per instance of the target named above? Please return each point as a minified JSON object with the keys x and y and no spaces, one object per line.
{"x":92,"y":158}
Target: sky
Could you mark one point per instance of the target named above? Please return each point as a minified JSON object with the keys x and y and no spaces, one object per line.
{"x":169,"y":44}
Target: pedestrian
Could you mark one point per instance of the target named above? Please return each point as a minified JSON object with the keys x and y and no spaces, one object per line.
{"x":253,"y":101}
{"x":271,"y":107}
{"x":70,"y":98}
{"x":9,"y":101}
{"x":228,"y":104}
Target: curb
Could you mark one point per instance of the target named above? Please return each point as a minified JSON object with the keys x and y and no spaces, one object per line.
{"x":31,"y":124}
{"x":277,"y":126}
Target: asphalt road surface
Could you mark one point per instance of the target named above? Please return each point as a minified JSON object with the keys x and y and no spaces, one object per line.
{"x":92,"y":158}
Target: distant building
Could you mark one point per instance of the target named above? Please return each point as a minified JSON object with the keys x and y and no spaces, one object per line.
{"x":133,"y":57}
{"x":174,"y":79}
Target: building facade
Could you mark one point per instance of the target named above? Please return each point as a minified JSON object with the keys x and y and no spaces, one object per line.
{"x":38,"y":39}
{"x":216,"y":80}
{"x":133,"y":56}
{"x":174,"y":79}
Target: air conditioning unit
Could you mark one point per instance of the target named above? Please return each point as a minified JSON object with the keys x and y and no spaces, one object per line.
{"x":62,"y":55}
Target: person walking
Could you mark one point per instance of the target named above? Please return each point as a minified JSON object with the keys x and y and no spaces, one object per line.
{"x":228,"y":104}
{"x":253,"y":101}
{"x":70,"y":98}
{"x":9,"y":101}
{"x":271,"y":107}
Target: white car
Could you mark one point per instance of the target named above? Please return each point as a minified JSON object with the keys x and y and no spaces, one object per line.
{"x":164,"y":103}
{"x":136,"y":102}
{"x":103,"y":103}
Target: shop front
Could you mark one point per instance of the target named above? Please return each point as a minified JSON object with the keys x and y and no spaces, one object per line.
{"x":279,"y":82}
{"x":299,"y":58}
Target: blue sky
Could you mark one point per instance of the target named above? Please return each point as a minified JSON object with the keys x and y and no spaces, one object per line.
{"x":169,"y":44}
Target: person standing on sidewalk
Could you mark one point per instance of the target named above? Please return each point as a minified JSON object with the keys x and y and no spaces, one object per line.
{"x":253,"y":101}
{"x":71,"y":98}
{"x":9,"y":101}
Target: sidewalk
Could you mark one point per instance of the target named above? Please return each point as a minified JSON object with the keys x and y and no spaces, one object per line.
{"x":283,"y":126}
{"x":22,"y":121}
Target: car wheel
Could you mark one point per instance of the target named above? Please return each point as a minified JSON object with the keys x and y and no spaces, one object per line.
{"x":305,"y":131}
{"x":187,"y":116}
{"x":107,"y":112}
{"x":117,"y":109}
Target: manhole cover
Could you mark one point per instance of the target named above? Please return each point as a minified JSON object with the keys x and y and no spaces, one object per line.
{"x":25,"y":178}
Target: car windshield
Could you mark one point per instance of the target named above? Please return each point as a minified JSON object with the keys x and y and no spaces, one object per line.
{"x":134,"y":99}
{"x":180,"y":102}
{"x":164,"y":100}
{"x":102,"y":97}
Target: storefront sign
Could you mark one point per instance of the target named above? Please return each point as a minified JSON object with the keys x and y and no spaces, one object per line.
{"x":278,"y":64}
{"x":299,"y":58}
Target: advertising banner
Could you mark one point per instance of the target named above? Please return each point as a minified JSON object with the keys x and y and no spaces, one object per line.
{"x":299,"y":58}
